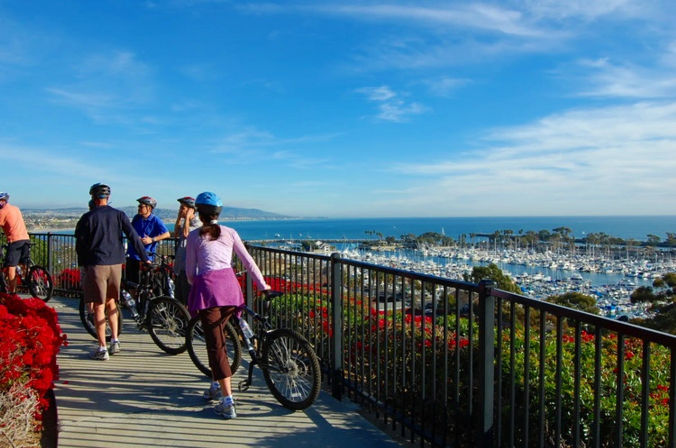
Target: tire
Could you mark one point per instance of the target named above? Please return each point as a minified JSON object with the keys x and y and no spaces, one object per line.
{"x":167,"y":323}
{"x":197,"y":347}
{"x":291,"y":369}
{"x":88,"y":321}
{"x":40,"y":283}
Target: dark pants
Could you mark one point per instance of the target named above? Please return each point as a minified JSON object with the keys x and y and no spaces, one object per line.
{"x":213,"y":324}
{"x":182,"y":288}
{"x":131,"y":270}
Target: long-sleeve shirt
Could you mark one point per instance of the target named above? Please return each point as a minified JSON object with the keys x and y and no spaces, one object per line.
{"x":204,"y":255}
{"x":98,"y":237}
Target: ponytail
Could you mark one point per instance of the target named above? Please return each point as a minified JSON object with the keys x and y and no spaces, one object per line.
{"x":210,"y":226}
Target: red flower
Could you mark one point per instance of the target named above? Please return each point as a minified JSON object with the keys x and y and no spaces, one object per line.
{"x":30,"y":338}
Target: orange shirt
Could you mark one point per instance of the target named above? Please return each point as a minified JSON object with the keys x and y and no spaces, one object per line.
{"x":12,"y":223}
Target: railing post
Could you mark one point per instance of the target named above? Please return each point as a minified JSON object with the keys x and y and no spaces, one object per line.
{"x":49,"y":252}
{"x":486,"y":363}
{"x":337,"y":315}
{"x":249,"y":292}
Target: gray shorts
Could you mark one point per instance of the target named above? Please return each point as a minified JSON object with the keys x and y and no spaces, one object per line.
{"x":102,"y":282}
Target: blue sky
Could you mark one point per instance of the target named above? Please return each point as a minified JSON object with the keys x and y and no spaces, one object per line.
{"x":343,"y":109}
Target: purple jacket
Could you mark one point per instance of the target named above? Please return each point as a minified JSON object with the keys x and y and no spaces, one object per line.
{"x":208,"y":266}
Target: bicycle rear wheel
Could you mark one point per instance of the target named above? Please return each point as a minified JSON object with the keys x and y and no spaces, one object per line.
{"x":168,"y":324}
{"x":40,"y":283}
{"x":197,"y":347}
{"x":87,"y":318}
{"x":291,"y":369}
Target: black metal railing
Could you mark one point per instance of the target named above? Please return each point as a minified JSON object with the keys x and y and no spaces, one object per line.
{"x":451,"y":363}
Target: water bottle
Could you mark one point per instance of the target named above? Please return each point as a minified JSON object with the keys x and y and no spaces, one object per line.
{"x":129,"y":302}
{"x":248,"y":334}
{"x":171,"y":288}
{"x":18,"y":271}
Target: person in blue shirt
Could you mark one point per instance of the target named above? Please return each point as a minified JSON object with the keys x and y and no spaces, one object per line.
{"x":151,"y":229}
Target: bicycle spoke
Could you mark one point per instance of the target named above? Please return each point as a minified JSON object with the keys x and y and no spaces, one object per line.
{"x":168,"y":324}
{"x":288,"y":371}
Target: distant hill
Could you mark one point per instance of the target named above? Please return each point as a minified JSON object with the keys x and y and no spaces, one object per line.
{"x":228,"y":213}
{"x":60,"y":218}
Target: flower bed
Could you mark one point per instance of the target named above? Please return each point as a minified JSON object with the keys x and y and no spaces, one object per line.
{"x":30,"y":338}
{"x":382,"y":349}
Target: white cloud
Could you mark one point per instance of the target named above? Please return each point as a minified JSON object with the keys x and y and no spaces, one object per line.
{"x":390,"y":106}
{"x":628,"y":81}
{"x":106,"y":84}
{"x":251,"y":146}
{"x":584,"y":9}
{"x":444,"y":86}
{"x":617,"y":160}
{"x":479,"y":16}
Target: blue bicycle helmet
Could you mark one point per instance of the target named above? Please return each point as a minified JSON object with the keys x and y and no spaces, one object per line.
{"x":4,"y":196}
{"x":99,"y":191}
{"x":208,"y":203}
{"x":208,"y":198}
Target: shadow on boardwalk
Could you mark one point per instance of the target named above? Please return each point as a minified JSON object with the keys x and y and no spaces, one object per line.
{"x":143,"y":397}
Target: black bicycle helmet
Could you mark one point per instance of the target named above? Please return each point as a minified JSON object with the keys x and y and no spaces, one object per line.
{"x":147,"y":200}
{"x":187,"y":201}
{"x":99,"y":191}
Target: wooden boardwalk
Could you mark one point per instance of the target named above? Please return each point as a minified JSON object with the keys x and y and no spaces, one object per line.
{"x":143,"y":397}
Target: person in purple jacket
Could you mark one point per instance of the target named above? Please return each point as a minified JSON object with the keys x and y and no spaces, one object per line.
{"x":215,"y":294}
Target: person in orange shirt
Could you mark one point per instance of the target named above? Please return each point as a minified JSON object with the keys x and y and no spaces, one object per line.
{"x":18,"y":248}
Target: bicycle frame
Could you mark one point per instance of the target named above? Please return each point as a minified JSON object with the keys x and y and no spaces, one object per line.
{"x":22,"y":272}
{"x":145,"y":290}
{"x":260,"y":335}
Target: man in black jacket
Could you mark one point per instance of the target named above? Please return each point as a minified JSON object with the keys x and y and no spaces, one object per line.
{"x":100,"y":250}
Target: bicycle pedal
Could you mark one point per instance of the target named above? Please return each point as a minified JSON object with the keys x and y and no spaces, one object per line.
{"x":243,"y":385}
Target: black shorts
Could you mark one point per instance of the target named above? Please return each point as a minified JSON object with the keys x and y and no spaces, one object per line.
{"x":17,"y":253}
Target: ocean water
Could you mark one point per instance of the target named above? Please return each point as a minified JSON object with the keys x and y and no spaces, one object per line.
{"x":636,"y":227}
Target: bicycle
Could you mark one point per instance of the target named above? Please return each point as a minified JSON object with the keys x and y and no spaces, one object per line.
{"x":163,"y":316}
{"x":290,"y":366}
{"x":35,"y":278}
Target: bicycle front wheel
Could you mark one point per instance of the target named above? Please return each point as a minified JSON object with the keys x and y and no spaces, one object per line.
{"x":40,"y":283}
{"x":87,"y":318}
{"x":291,"y":369}
{"x":197,"y":347}
{"x":168,"y":324}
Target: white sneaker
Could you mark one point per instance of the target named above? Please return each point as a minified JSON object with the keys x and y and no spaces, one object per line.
{"x":100,"y":354}
{"x":227,"y":411}
{"x":114,"y":348}
{"x":213,"y":393}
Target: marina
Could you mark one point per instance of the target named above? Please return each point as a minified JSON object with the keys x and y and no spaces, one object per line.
{"x":609,"y":272}
{"x":539,"y":275}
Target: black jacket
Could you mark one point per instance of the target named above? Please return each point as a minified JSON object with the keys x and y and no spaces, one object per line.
{"x":98,"y":237}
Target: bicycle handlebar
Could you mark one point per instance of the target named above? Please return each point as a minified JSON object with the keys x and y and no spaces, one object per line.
{"x":270,"y":294}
